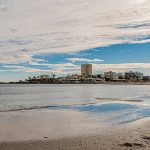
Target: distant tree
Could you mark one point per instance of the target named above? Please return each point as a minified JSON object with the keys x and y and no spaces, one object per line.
{"x":34,"y":77}
{"x":53,"y":76}
{"x":29,"y":78}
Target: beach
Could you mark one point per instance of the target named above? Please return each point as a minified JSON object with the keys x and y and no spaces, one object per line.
{"x":74,"y":117}
{"x":131,"y":136}
{"x":75,"y":75}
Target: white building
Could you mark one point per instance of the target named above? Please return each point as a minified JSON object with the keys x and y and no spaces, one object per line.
{"x":44,"y":77}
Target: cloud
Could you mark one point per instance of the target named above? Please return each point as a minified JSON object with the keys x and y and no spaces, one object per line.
{"x":142,"y":67}
{"x":17,"y":58}
{"x":62,"y":68}
{"x":69,"y":68}
{"x":31,"y":28}
{"x":84,"y":60}
{"x":59,"y":69}
{"x":23,"y":69}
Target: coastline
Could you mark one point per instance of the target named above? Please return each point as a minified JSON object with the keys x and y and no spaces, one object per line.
{"x":94,"y":122}
{"x":135,"y":135}
{"x":107,"y":83}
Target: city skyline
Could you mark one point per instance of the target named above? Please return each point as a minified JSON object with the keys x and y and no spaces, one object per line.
{"x":86,"y":76}
{"x":57,"y":37}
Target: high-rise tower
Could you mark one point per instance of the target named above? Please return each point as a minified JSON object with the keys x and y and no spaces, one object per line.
{"x":86,"y":70}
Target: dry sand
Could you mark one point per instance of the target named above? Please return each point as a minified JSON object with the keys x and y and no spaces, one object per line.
{"x":131,"y":136}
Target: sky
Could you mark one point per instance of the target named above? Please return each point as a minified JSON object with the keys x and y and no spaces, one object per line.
{"x":57,"y":36}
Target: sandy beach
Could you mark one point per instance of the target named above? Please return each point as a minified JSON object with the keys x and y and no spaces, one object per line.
{"x":58,"y":130}
{"x":132,"y":136}
{"x":75,"y":75}
{"x":87,"y":119}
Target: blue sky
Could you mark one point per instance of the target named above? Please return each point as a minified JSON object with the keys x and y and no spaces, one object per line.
{"x":47,"y":37}
{"x":120,"y":53}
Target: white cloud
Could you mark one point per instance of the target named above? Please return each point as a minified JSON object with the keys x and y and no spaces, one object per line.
{"x":84,"y":60}
{"x":59,"y":69}
{"x":62,"y":26}
{"x":18,"y":69}
{"x":142,"y":67}
{"x":69,"y":68}
{"x":62,"y":68}
{"x":18,"y":58}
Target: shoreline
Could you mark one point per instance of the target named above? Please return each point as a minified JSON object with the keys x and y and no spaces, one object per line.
{"x":107,"y":83}
{"x":135,"y":135}
{"x":107,"y":124}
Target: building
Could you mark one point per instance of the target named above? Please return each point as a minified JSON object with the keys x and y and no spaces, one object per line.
{"x":86,"y":70}
{"x":146,"y":78}
{"x":75,"y":78}
{"x":120,"y":76}
{"x":98,"y":78}
{"x":134,"y":76}
{"x":44,"y":77}
{"x":109,"y":76}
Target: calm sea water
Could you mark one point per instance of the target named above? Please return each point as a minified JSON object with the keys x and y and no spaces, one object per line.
{"x":129,"y":102}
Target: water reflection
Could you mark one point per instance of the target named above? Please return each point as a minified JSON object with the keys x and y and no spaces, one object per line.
{"x":122,"y":112}
{"x":107,"y":107}
{"x":125,"y":102}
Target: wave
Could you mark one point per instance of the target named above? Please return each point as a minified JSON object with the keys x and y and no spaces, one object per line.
{"x":21,"y":108}
{"x":24,"y":108}
{"x":99,"y":101}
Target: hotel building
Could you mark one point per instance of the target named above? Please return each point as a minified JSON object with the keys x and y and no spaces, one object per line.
{"x":86,"y":70}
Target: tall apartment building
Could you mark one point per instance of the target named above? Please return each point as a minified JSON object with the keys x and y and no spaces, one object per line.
{"x":86,"y":70}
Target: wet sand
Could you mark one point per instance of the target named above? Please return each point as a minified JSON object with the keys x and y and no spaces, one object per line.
{"x":129,"y":136}
{"x":127,"y":139}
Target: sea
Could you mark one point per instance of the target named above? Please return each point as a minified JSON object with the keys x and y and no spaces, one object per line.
{"x":127,"y":103}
